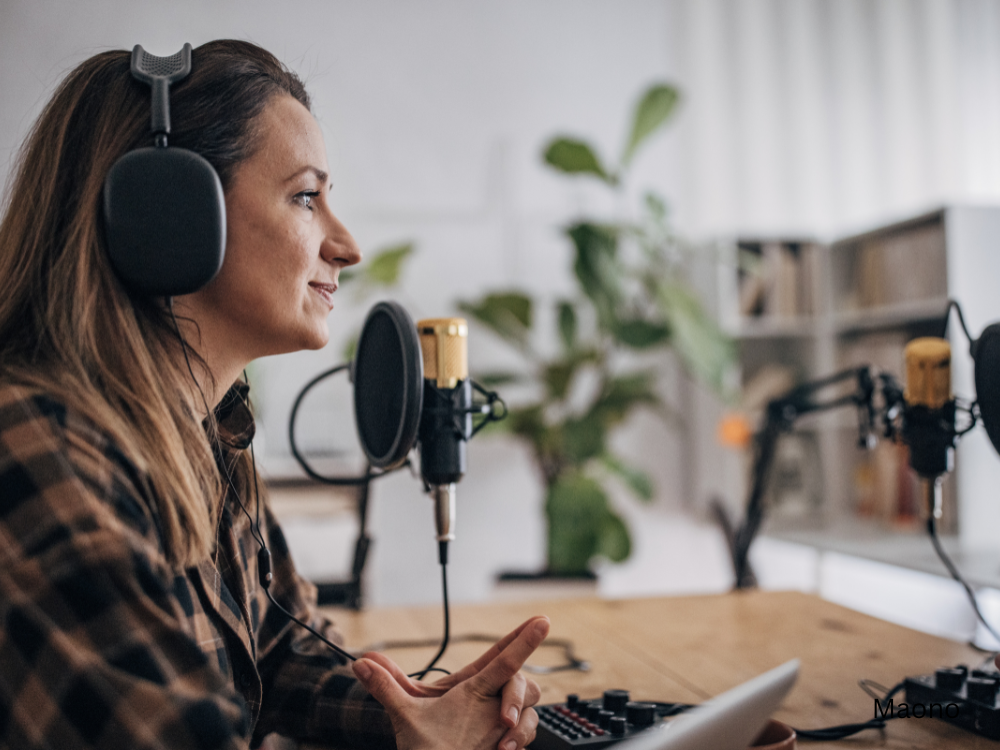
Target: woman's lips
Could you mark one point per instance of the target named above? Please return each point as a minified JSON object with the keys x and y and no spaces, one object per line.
{"x":325,"y":291}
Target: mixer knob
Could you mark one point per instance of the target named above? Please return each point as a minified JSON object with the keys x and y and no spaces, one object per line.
{"x":640,"y":714}
{"x":982,"y":689}
{"x":950,"y":679}
{"x":615,"y":700}
{"x":617,"y":725}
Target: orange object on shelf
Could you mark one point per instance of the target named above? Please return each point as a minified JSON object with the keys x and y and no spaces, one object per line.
{"x":734,"y":431}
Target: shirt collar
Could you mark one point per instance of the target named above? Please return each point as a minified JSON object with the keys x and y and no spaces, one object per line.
{"x":233,"y":415}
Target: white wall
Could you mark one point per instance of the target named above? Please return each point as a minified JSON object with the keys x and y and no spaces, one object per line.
{"x":813,"y":116}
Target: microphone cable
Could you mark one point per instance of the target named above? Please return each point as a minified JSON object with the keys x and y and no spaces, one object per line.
{"x":956,"y":575}
{"x":447,"y":619}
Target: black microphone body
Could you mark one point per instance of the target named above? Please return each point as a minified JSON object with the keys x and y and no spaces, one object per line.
{"x":930,"y":435}
{"x":445,"y":426}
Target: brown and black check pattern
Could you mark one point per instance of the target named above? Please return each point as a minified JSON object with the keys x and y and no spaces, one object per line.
{"x":103,"y":645}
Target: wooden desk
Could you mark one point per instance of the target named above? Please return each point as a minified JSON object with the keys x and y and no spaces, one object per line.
{"x":687,"y":649}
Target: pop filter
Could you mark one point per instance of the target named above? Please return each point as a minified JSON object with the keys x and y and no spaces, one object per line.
{"x":388,"y":376}
{"x":986,"y":365}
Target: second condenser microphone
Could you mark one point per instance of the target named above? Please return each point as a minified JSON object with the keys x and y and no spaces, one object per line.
{"x":929,"y":411}
{"x":446,"y":421}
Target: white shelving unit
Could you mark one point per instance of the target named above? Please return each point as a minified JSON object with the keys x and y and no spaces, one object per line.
{"x":818,"y":308}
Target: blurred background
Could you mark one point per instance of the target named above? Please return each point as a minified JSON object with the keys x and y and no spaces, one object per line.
{"x":798,"y":121}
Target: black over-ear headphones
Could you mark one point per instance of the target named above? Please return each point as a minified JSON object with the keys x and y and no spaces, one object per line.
{"x":164,"y":211}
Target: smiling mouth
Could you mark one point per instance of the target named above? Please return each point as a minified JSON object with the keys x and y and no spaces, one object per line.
{"x":325,"y":291}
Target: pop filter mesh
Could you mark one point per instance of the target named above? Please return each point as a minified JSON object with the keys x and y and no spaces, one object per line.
{"x":987,"y":373}
{"x":388,"y":385}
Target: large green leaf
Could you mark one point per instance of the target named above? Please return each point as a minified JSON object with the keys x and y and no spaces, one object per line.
{"x":350,"y":348}
{"x":498,"y":378}
{"x":622,"y":394}
{"x":386,"y":265}
{"x":567,"y":324}
{"x":558,"y":374}
{"x":584,"y":438}
{"x":703,"y":347}
{"x":597,"y":267}
{"x":653,"y":110}
{"x":575,"y":157}
{"x":508,"y":314}
{"x":655,"y":205}
{"x":614,"y":541}
{"x":529,"y":423}
{"x":640,"y":334}
{"x":637,"y":481}
{"x":582,"y":525}
{"x":576,"y":508}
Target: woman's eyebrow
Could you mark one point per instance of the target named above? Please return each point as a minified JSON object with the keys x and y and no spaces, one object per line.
{"x":320,"y":174}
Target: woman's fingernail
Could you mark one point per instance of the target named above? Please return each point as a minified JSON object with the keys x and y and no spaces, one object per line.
{"x":509,"y":745}
{"x":541,"y":628}
{"x":512,"y":714}
{"x":362,"y":670}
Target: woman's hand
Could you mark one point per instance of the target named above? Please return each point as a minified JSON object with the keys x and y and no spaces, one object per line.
{"x":486,"y":705}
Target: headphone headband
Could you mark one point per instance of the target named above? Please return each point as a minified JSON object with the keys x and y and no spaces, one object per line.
{"x":159,"y":73}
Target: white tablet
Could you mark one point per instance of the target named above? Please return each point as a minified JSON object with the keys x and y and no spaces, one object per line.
{"x":730,"y":721}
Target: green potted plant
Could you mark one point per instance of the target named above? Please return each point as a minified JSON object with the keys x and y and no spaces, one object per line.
{"x":633,"y":298}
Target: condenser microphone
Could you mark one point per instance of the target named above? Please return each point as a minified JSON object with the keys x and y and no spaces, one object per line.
{"x":929,"y":416}
{"x":446,"y":419}
{"x":929,"y":407}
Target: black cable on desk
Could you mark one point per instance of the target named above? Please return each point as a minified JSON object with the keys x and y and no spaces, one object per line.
{"x":842,"y":731}
{"x":443,"y":551}
{"x":955,"y":574}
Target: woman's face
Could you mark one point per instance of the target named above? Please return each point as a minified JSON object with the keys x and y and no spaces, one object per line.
{"x":284,"y":246}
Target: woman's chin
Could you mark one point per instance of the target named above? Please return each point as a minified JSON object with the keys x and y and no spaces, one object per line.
{"x":303,"y":340}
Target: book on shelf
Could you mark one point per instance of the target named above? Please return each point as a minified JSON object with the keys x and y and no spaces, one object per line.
{"x":896,"y":266}
{"x":777,"y":279}
{"x":887,"y":490}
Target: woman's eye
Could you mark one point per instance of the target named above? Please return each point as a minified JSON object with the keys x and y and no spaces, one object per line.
{"x":305,"y":198}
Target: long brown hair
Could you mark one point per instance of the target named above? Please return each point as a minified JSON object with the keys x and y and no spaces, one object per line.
{"x":67,"y":325}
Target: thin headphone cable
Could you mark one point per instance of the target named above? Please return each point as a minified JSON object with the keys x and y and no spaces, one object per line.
{"x":180,"y":337}
{"x":264,"y":556}
{"x":264,"y":573}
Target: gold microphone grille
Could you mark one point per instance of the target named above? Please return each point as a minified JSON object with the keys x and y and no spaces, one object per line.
{"x":444,"y":344}
{"x":928,"y":372}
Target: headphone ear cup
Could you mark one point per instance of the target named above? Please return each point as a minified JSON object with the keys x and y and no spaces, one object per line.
{"x":164,"y":221}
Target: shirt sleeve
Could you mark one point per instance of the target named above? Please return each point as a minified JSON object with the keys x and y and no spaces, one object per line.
{"x":310,"y":692}
{"x":95,"y":647}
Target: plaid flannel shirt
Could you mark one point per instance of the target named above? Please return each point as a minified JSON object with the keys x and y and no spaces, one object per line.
{"x":104,"y":645}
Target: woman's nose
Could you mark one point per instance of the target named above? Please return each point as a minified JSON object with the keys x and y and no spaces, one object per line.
{"x":339,"y":246}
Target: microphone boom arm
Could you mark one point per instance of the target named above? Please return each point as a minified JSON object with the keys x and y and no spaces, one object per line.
{"x":781,"y":414}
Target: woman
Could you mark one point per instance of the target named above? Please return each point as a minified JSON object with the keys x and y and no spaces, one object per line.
{"x":131,"y":610}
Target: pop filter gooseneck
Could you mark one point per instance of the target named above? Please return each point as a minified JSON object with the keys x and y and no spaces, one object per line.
{"x":387,"y":372}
